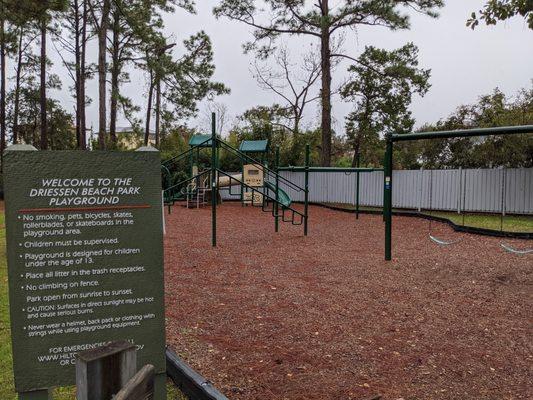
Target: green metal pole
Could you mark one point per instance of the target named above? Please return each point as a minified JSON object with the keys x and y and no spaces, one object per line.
{"x":191,"y":163}
{"x":387,"y":200}
{"x":214,"y":193}
{"x":357,"y":197}
{"x":383,"y":212}
{"x":306,"y":187}
{"x":242,"y":180}
{"x":357,"y":189}
{"x":276,"y":218}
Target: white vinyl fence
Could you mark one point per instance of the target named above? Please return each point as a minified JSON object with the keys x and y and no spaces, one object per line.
{"x":483,"y":190}
{"x":473,"y":190}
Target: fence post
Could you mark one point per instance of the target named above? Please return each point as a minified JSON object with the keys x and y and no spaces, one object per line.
{"x":459,"y":196}
{"x":102,"y":372}
{"x":503,"y":175}
{"x":421,"y":190}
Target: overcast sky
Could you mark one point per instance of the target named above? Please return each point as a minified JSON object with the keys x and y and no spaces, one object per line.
{"x":465,"y":64}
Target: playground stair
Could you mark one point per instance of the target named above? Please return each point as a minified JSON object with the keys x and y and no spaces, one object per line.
{"x":279,"y":206}
{"x":196,"y":198}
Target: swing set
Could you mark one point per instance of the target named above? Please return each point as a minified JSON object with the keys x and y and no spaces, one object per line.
{"x":393,"y":138}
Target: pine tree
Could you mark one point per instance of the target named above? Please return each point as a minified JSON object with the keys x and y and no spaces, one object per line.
{"x":322,"y":20}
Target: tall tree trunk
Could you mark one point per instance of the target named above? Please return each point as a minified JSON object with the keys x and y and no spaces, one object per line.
{"x":115,"y":71}
{"x":83,"y":122}
{"x":44,"y":127}
{"x":2,"y":89}
{"x":158,"y":112}
{"x":295,"y":147}
{"x":296,"y":125}
{"x":102,"y":67}
{"x":149,"y":109}
{"x":16,"y":104}
{"x":325,"y":52}
{"x":77,"y":57}
{"x":356,"y":161}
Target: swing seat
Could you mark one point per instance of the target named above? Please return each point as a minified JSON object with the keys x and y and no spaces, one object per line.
{"x":442,"y":242}
{"x":515,"y":251}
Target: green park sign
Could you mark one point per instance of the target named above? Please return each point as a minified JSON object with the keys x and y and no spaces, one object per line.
{"x":85,"y":259}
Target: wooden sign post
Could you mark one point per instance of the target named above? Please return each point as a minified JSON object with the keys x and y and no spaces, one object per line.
{"x":85,"y":261}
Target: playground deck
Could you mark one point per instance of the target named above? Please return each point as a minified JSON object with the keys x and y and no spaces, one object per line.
{"x":279,"y":316}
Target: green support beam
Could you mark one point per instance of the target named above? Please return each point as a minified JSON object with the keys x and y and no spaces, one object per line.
{"x":329,"y":169}
{"x":306,"y":187}
{"x":275,"y":205}
{"x":358,"y":182}
{"x":214,"y":186}
{"x":504,"y":130}
{"x":387,"y":199}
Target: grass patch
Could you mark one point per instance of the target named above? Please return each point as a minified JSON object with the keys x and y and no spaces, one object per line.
{"x":511,"y":223}
{"x":7,"y":389}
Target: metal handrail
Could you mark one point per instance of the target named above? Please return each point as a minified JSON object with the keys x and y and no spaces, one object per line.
{"x":180,"y":156}
{"x":263,"y":193}
{"x":187,"y":180}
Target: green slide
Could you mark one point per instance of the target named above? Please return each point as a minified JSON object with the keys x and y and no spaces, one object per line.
{"x":283,"y":197}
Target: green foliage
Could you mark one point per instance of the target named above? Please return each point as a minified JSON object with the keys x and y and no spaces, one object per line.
{"x":299,"y":17}
{"x":62,"y":135}
{"x":36,"y":10}
{"x":502,"y":10}
{"x":189,"y":78}
{"x":267,"y":123}
{"x":175,"y":142}
{"x":260,"y":123}
{"x":324,"y":21}
{"x":381,"y":87}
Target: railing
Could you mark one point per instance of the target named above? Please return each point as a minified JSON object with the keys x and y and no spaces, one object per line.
{"x":180,"y":156}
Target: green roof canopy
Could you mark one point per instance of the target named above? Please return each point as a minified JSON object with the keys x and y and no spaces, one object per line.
{"x":200,"y":140}
{"x":254,"y":146}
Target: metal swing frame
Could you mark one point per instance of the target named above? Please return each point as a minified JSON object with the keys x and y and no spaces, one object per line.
{"x":392,"y":138}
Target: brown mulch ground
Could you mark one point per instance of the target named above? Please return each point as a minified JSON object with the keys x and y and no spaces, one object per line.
{"x":279,"y":316}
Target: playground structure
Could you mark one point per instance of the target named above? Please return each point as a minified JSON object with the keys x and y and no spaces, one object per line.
{"x":258,"y":185}
{"x":388,"y":163}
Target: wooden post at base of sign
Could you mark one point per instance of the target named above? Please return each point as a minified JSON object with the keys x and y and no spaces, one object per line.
{"x":36,"y":395}
{"x":103,"y":372}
